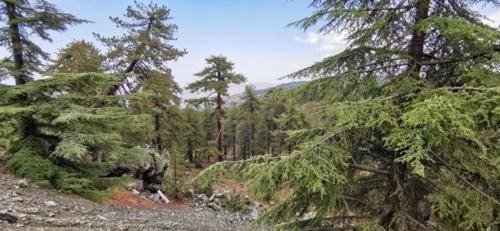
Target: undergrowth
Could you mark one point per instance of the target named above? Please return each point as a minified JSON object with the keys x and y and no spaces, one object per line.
{"x":83,"y":179}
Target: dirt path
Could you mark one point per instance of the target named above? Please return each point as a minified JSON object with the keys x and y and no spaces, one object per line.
{"x":42,"y":209}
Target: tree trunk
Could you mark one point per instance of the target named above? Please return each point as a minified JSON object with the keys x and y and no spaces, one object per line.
{"x":234,"y":151}
{"x":190,"y":150}
{"x":268,"y":142}
{"x":176,"y":190}
{"x":225,"y":152}
{"x":219,"y":115}
{"x":157,"y":141}
{"x":417,"y":42}
{"x":16,"y":43}
{"x":234,"y":141}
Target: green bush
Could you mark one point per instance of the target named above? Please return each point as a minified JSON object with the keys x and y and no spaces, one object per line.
{"x":80,"y":179}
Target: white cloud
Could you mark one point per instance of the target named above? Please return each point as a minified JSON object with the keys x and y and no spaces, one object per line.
{"x":312,"y":38}
{"x":328,"y":44}
{"x":493,"y":18}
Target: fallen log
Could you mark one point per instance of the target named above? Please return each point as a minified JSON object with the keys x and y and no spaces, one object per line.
{"x":7,"y":217}
{"x":152,"y":178}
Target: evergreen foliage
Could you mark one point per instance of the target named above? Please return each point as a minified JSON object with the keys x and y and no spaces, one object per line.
{"x":215,"y":80}
{"x":410,"y":133}
{"x":25,"y":19}
{"x":65,"y":143}
{"x":78,"y":57}
{"x":144,"y":47}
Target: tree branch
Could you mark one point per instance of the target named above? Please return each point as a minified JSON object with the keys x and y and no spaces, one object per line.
{"x":463,"y":179}
{"x":370,"y":169}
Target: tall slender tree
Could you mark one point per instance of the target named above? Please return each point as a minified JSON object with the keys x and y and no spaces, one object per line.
{"x":215,"y":80}
{"x":26,"y":19}
{"x":248,"y":118}
{"x":230,"y":130}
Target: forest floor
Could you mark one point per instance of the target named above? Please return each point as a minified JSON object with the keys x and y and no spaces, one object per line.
{"x":44,"y":209}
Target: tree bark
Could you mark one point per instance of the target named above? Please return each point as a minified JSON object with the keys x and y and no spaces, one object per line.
{"x":16,"y":43}
{"x":190,"y":150}
{"x":219,"y":113}
{"x":157,"y":122}
{"x":234,"y":150}
{"x":157,"y":141}
{"x":225,"y":152}
{"x":417,"y":42}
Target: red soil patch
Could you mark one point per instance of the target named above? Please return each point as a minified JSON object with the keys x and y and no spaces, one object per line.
{"x":124,"y":197}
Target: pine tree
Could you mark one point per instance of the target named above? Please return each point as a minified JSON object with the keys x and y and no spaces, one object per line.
{"x":410,"y":135}
{"x":78,"y":57}
{"x":26,"y":19}
{"x":247,"y":122}
{"x":288,"y":121}
{"x":143,"y":54}
{"x":164,"y":107}
{"x":53,"y":135}
{"x":193,"y":137}
{"x":70,"y":145}
{"x":215,"y":79}
{"x":230,"y":131}
{"x":145,"y":47}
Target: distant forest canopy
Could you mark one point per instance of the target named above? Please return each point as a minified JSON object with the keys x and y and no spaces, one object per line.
{"x":399,"y":131}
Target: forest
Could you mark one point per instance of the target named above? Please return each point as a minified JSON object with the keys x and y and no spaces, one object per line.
{"x":398,"y":131}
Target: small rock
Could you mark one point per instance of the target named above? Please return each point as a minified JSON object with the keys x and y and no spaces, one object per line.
{"x":222,"y":195}
{"x":7,"y":217}
{"x":135,"y":192}
{"x":137,"y":185}
{"x":32,"y":210}
{"x":214,"y":206}
{"x":75,"y":222}
{"x":202,"y":199}
{"x":18,"y":199}
{"x":52,"y":214}
{"x":102,"y":218}
{"x":22,"y":183}
{"x":154,"y":197}
{"x":50,"y":203}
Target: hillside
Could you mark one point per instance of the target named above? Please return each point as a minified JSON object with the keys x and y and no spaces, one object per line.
{"x":235,"y":99}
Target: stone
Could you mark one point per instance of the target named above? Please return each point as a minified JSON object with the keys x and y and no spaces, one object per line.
{"x":75,"y":223}
{"x":102,"y":218}
{"x":221,"y":195}
{"x":32,"y":210}
{"x":214,"y":206}
{"x":50,"y":203}
{"x":154,"y":197}
{"x":135,"y":192}
{"x":138,"y":185}
{"x":202,"y":199}
{"x":22,"y":183}
{"x":8,"y":217}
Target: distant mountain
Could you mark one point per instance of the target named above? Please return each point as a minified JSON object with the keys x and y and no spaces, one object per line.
{"x":235,"y":99}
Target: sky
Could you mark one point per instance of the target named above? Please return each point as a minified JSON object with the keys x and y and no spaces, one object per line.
{"x":253,"y":34}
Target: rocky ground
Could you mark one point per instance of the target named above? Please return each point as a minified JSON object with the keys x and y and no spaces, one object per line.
{"x":43,"y":209}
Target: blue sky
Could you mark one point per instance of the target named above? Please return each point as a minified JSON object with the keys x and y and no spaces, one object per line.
{"x":251,"y":33}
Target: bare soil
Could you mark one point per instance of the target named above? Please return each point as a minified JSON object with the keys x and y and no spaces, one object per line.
{"x":45,"y":209}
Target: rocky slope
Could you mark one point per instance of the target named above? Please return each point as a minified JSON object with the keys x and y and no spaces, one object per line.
{"x":42,"y":209}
